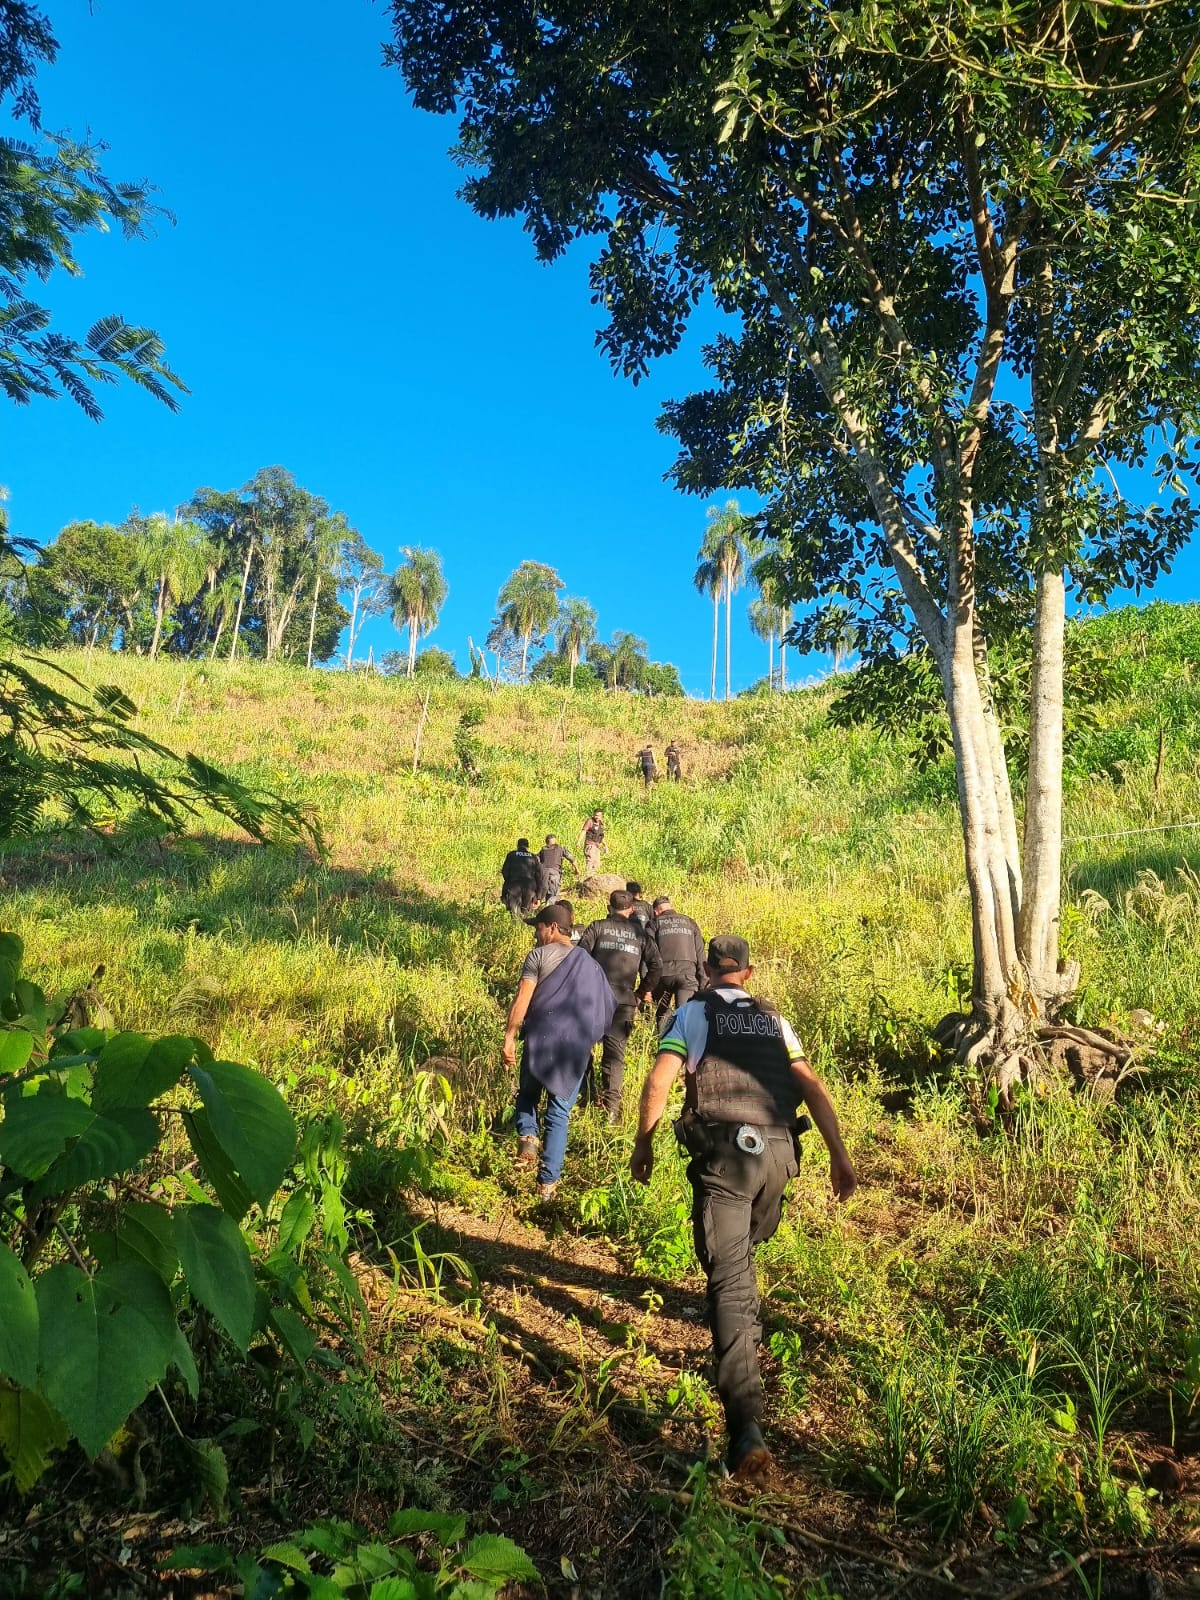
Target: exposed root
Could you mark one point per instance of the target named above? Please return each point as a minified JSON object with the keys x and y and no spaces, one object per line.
{"x":1013,"y":1050}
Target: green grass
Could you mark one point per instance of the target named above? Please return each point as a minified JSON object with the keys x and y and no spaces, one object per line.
{"x":994,"y":1334}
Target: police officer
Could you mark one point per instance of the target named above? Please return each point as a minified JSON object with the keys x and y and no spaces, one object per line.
{"x":520,"y":878}
{"x":649,"y":765}
{"x":674,"y":770}
{"x":552,"y":855}
{"x":746,"y":1078}
{"x":681,"y":947}
{"x":640,"y":910}
{"x":630,"y":962}
{"x":591,"y":836}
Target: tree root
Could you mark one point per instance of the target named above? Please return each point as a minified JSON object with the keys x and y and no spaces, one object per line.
{"x":1011,"y":1050}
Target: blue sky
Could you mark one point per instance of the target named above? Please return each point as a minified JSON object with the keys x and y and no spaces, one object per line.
{"x":335,"y":309}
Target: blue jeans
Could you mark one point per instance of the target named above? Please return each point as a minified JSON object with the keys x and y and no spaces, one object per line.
{"x":558,"y":1114}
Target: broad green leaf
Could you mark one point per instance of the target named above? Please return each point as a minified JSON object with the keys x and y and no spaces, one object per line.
{"x":184,"y":1363}
{"x":196,"y":1558}
{"x":394,"y":1588}
{"x":109,"y":1145}
{"x":492,"y":1556}
{"x":16,"y":1047}
{"x":213,"y":1471}
{"x":296,"y":1221}
{"x":147,"y":1234}
{"x":79,"y":1042}
{"x":31,"y":1004}
{"x":229,"y":1189}
{"x":412,"y":1519}
{"x":105,"y":1340}
{"x":37,"y":1128}
{"x":251,"y":1123}
{"x":29,"y":1432}
{"x":297,"y":1337}
{"x":287,"y":1555}
{"x":134,"y":1071}
{"x":216,"y":1264}
{"x":18,"y":1322}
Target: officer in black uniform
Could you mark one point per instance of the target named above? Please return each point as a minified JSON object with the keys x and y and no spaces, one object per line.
{"x":640,"y":910}
{"x":746,"y":1079}
{"x":551,"y":856}
{"x":520,"y":878}
{"x":648,"y":765}
{"x":681,"y":947}
{"x":674,"y":769}
{"x":629,"y":958}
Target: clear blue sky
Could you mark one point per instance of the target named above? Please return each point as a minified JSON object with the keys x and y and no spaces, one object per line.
{"x":335,"y":309}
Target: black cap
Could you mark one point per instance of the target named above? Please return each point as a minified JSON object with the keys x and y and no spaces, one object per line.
{"x":560,"y":916}
{"x":620,"y":900}
{"x":728,"y":953}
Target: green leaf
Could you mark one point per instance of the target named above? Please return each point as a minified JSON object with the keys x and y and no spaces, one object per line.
{"x":107,"y":1146}
{"x":37,"y":1128}
{"x":18,"y":1322}
{"x":492,"y":1556}
{"x":394,"y":1588}
{"x":79,"y":1042}
{"x":297,"y":1337}
{"x":184,"y":1363}
{"x":134,"y":1071}
{"x":446,"y":1530}
{"x":147,"y":1235}
{"x":229,"y":1189}
{"x":251,"y":1124}
{"x":216,"y":1264}
{"x":213,"y":1472}
{"x":104,"y":1341}
{"x":29,"y":1432}
{"x":196,"y":1558}
{"x":16,"y":1047}
{"x":287,"y":1555}
{"x":296,"y":1221}
{"x":12,"y":953}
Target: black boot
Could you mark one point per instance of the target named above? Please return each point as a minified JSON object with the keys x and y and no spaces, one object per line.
{"x":749,"y":1459}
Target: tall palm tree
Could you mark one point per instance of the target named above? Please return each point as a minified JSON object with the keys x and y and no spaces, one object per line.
{"x":419,"y":590}
{"x":576,"y":629}
{"x":528,"y":604}
{"x":628,"y":656}
{"x":708,"y":581}
{"x":219,"y":604}
{"x":177,"y":557}
{"x":722,"y":562}
{"x":764,"y":621}
{"x":770,"y":614}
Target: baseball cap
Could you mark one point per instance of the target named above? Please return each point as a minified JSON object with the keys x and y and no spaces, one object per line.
{"x":728,"y":953}
{"x":560,"y":916}
{"x":620,"y":900}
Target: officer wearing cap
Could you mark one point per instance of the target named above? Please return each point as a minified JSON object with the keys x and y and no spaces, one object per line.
{"x":746,"y":1078}
{"x":520,"y":878}
{"x":630,"y":961}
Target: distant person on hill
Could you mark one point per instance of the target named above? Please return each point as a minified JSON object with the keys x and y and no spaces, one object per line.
{"x":562,"y":1006}
{"x":629,"y":959}
{"x":746,"y":1078}
{"x":520,"y":877}
{"x":681,"y":949}
{"x":552,"y":855}
{"x":648,"y":764}
{"x":674,"y":769}
{"x":591,"y":836}
{"x":641,"y":912}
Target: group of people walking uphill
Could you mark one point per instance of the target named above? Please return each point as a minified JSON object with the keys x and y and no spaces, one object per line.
{"x":746,"y":1084}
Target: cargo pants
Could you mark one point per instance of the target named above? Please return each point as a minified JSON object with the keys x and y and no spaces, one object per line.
{"x":737,"y":1201}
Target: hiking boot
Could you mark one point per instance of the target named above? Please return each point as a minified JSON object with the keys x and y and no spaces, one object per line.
{"x":547,"y":1191}
{"x":527,"y":1151}
{"x":749,"y":1459}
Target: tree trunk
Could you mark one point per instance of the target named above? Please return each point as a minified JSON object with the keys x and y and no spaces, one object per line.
{"x":350,"y":639}
{"x":159,"y":608}
{"x":574,"y":663}
{"x":712,"y":693}
{"x":412,"y":643}
{"x":782,"y":665}
{"x":1038,"y":927}
{"x":237,"y":626}
{"x":770,"y":659}
{"x":312,"y":621}
{"x":728,"y":615}
{"x":524,"y":653}
{"x":220,"y":630}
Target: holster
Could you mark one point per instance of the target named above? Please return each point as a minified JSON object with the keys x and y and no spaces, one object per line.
{"x":693,"y":1133}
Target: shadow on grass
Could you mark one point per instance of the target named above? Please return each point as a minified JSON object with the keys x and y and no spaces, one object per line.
{"x":1114,"y":876}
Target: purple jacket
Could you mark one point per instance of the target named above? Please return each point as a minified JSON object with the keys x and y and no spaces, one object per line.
{"x":569,"y":1012}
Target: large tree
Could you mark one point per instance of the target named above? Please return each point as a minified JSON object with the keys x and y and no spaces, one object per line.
{"x":527,"y":607}
{"x":721,"y":567}
{"x":575,"y":632}
{"x":359,"y":573}
{"x":419,"y":591}
{"x":961,"y":251}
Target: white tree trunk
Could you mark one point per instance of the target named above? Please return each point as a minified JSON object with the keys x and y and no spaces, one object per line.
{"x":312,"y":621}
{"x":159,"y":609}
{"x":350,"y":637}
{"x":712,"y":693}
{"x":413,"y":622}
{"x":728,"y":615}
{"x":1038,"y":928}
{"x":237,"y":626}
{"x":782,"y":665}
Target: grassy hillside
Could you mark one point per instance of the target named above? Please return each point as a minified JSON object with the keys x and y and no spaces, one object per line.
{"x":993,"y":1341}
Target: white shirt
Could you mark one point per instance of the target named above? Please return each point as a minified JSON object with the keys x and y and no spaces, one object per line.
{"x":687,"y":1037}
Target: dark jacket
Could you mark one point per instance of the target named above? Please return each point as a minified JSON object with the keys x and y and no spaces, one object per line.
{"x":521,"y":870}
{"x":628,"y":956}
{"x":642,"y":914}
{"x":680,"y":944}
{"x":570,"y":1012}
{"x":552,"y":857}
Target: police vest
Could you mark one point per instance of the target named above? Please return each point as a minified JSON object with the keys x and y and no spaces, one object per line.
{"x":744,"y":1074}
{"x":677,"y":940}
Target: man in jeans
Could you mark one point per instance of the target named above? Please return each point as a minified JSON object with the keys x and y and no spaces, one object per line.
{"x":562,"y":1006}
{"x":746,"y":1078}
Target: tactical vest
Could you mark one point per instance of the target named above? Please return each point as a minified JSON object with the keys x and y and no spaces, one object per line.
{"x":676,"y":935}
{"x":744,"y":1074}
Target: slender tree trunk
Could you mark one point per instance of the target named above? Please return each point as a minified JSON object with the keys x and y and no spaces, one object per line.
{"x":770,"y":659}
{"x":159,"y":608}
{"x":524,"y":653}
{"x":782,"y":665}
{"x":574,"y":664}
{"x":1038,"y":927}
{"x":350,"y":638}
{"x":728,"y":617}
{"x":220,"y":630}
{"x":312,"y":621}
{"x":412,"y":643}
{"x":237,"y":626}
{"x":712,"y":693}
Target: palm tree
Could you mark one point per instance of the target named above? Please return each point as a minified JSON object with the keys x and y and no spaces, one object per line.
{"x":770,"y":614}
{"x":628,"y":656}
{"x":177,"y":557}
{"x":723,"y":559}
{"x":764,"y":620}
{"x":576,"y":631}
{"x":418,"y":591}
{"x":528,"y":604}
{"x":708,"y":581}
{"x":218,"y":606}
